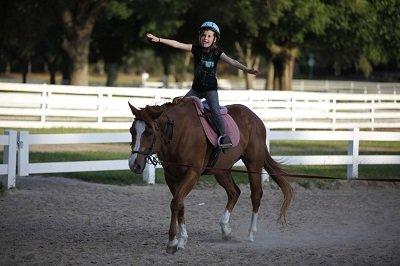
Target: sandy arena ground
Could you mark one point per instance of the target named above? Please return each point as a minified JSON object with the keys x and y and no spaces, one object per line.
{"x":67,"y":222}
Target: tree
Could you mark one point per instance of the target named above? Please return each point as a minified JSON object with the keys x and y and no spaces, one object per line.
{"x":113,"y":36}
{"x":387,"y":28}
{"x":78,"y":19}
{"x":351,"y":37}
{"x":22,"y":29}
{"x":286,"y":27}
{"x":242,"y":30}
{"x":164,"y":18}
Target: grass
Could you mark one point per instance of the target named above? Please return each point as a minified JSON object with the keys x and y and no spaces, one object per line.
{"x":278,"y":148}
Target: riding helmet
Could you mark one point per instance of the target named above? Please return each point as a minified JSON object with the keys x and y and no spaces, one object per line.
{"x":209,"y":25}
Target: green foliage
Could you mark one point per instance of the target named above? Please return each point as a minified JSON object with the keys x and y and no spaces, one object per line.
{"x":141,"y":60}
{"x":351,"y":37}
{"x":359,"y":34}
{"x":388,"y":30}
{"x":118,"y":9}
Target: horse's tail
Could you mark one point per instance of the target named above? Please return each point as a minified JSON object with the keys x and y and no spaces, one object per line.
{"x":278,"y":174}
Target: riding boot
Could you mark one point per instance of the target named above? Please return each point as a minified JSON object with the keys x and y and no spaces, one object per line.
{"x":224,"y":142}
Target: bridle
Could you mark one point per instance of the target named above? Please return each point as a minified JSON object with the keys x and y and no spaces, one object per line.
{"x":148,"y":154}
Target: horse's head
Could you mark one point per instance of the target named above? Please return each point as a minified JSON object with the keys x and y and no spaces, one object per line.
{"x":144,"y":136}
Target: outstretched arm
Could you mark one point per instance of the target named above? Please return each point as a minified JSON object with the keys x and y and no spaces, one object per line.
{"x":236,"y":64}
{"x":172,"y":43}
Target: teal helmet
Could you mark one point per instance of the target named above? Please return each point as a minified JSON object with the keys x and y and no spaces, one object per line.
{"x":209,"y":25}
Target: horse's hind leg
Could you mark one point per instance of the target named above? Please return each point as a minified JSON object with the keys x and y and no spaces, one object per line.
{"x":233,"y":192}
{"x":256,"y":194}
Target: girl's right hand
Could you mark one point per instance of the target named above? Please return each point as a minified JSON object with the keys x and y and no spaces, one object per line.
{"x":152,"y":37}
{"x":253,"y":71}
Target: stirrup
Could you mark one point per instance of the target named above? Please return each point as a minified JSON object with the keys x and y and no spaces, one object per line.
{"x":226,"y":145}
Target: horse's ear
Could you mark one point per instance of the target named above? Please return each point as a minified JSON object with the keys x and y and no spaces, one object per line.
{"x":133,"y":109}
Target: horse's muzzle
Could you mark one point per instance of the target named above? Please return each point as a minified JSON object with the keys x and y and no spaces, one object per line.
{"x":136,"y":165}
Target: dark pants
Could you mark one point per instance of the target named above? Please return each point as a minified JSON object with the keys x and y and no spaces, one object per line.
{"x":213,"y":103}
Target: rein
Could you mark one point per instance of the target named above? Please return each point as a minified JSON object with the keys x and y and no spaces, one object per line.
{"x":153,"y":160}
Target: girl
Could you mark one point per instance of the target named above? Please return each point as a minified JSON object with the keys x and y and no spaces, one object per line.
{"x":206,"y":55}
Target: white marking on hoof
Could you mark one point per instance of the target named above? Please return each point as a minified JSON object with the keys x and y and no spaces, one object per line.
{"x":250,"y":237}
{"x":253,"y":227}
{"x":226,"y":231}
{"x":182,"y":243}
{"x":225,"y":226}
{"x":182,"y":237}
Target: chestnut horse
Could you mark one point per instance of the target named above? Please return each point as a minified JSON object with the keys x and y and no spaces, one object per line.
{"x":174,"y":132}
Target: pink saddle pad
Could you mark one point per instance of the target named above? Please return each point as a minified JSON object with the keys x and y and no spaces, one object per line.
{"x":231,"y":128}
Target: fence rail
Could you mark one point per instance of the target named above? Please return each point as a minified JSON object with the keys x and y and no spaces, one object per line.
{"x":45,"y":106}
{"x":334,"y":86}
{"x":353,"y":159}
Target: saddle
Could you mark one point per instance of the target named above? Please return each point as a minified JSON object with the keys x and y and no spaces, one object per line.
{"x":231,"y":128}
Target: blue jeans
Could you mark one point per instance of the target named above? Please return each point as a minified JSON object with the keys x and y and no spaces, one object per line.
{"x":213,"y":102}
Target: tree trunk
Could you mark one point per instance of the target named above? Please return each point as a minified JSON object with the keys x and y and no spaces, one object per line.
{"x":286,"y":76}
{"x":79,"y":22}
{"x":8,"y":68}
{"x":289,"y":62}
{"x":66,"y":70}
{"x":283,"y":61}
{"x":25,"y":70}
{"x":112,"y":73}
{"x":246,"y":56}
{"x":78,"y":51}
{"x":269,"y":84}
{"x":166,"y":62}
{"x":52,"y":67}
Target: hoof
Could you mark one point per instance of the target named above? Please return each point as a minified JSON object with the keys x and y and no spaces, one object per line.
{"x":182,"y":243}
{"x":226,"y":237}
{"x":172,"y":249}
{"x":251,"y":237}
{"x":226,"y":231}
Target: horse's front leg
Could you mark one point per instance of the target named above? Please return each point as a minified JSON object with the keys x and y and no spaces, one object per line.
{"x":177,"y":209}
{"x":182,"y":233}
{"x":172,"y":240}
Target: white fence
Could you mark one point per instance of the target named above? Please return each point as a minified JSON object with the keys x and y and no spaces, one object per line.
{"x":9,"y":166}
{"x":45,"y":106}
{"x":353,"y":159}
{"x":334,"y":86}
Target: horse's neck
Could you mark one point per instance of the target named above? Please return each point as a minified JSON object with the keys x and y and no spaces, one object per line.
{"x":174,"y":118}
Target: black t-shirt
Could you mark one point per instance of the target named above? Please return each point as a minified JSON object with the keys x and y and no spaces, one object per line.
{"x":205,"y":68}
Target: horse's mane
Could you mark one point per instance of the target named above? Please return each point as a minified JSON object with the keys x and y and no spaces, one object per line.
{"x":151,"y":112}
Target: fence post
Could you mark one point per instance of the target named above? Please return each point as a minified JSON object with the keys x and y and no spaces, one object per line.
{"x":43,"y":107}
{"x":334,"y":115}
{"x":372,"y":114}
{"x":149,"y":174}
{"x":23,"y":153}
{"x":353,"y":149}
{"x":293,"y":113}
{"x":10,"y":159}
{"x":100,"y":108}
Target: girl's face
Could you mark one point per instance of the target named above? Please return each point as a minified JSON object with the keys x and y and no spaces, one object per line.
{"x":207,"y":38}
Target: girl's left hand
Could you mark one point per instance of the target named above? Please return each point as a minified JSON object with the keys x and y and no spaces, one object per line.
{"x":253,"y":71}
